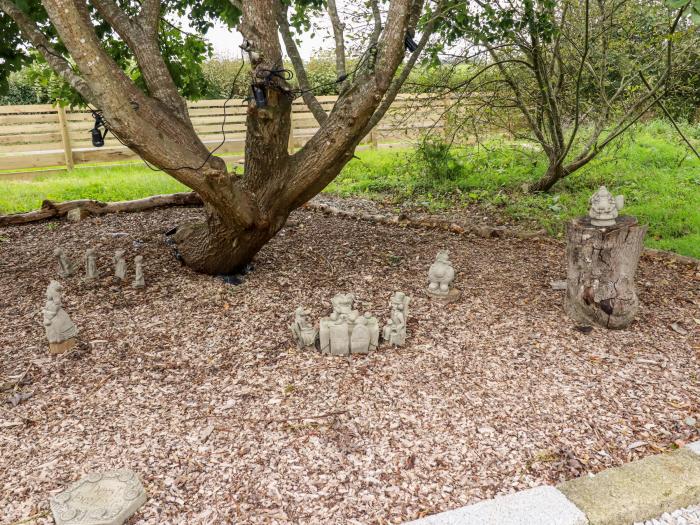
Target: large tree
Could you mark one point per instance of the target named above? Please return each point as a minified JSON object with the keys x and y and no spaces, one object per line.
{"x":88,"y":42}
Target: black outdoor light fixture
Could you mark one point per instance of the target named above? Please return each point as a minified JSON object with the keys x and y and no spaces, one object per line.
{"x":260,"y":95}
{"x":98,"y":137}
{"x":409,"y":42}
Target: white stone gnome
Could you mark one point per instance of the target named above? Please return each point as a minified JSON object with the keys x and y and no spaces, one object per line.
{"x":65,"y":266}
{"x":60,"y":330}
{"x":440,"y":275}
{"x":119,"y":265}
{"x":139,"y":281}
{"x":604,"y":207}
{"x":91,"y":264}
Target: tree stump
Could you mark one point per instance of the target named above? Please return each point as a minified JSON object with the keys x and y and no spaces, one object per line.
{"x":602,"y":262}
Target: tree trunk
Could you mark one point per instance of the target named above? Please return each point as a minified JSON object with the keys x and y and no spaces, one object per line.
{"x":554,"y":173}
{"x":601,"y":267}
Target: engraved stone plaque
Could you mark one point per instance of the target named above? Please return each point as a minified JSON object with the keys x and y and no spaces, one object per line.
{"x":100,"y":498}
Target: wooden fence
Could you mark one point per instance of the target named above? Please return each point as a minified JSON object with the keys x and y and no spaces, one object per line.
{"x":44,"y":136}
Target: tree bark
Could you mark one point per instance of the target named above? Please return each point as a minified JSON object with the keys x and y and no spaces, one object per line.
{"x":554,"y":173}
{"x":602,"y":262}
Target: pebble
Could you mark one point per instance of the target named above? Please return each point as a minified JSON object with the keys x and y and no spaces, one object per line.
{"x":687,"y":516}
{"x":690,"y":421}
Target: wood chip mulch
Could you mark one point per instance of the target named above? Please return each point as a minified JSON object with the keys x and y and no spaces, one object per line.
{"x":198,"y":387}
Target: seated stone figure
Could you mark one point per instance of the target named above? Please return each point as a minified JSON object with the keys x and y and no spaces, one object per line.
{"x":604,"y":207}
{"x":395,"y":329}
{"x":60,"y":330}
{"x":303,"y":331}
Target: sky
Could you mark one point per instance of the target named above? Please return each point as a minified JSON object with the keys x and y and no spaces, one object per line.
{"x":226,"y":43}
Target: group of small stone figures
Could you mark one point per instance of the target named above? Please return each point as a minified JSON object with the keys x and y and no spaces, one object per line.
{"x":347,"y":332}
{"x":66,"y":268}
{"x":60,"y":329}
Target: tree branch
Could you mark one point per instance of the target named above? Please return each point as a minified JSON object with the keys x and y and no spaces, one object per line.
{"x":307,"y":94}
{"x":59,"y":64}
{"x":144,"y":45}
{"x":338,"y":35}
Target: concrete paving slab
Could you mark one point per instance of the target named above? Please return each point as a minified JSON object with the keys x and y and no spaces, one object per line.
{"x":694,"y":447}
{"x":639,"y":490}
{"x":539,"y":506}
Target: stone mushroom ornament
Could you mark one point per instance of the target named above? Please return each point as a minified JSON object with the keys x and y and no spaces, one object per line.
{"x":60,"y":330}
{"x":604,"y":208}
{"x":304,"y":332}
{"x":65,"y":266}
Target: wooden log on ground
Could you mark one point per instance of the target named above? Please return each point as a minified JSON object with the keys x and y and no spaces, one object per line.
{"x":601,"y":267}
{"x":50,"y":210}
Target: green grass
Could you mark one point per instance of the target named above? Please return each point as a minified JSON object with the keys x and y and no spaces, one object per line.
{"x":104,"y":184}
{"x":658,"y":175}
{"x":651,"y":167}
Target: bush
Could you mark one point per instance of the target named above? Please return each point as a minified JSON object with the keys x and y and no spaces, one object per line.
{"x":436,"y":161}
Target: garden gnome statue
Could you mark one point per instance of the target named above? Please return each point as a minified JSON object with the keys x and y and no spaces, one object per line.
{"x":345,"y":331}
{"x":440,"y":275}
{"x":139,"y":281}
{"x":119,"y":265}
{"x":395,"y":329}
{"x":60,"y":330}
{"x":304,"y":332}
{"x":604,"y":207}
{"x":90,"y":264}
{"x":65,"y":267}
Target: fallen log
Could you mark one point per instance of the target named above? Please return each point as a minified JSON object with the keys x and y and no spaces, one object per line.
{"x":50,"y":210}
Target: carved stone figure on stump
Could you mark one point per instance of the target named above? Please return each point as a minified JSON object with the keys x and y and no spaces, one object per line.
{"x":119,"y":265}
{"x":604,"y":207}
{"x":395,"y":329}
{"x":304,"y":332}
{"x":60,"y":330}
{"x":65,"y":266}
{"x":602,"y":261}
{"x":139,"y":281}
{"x":440,"y":276}
{"x":91,"y":264}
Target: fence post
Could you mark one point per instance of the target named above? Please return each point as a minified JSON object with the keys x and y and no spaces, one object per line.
{"x":65,"y":136}
{"x":290,"y":143}
{"x":374,"y":142}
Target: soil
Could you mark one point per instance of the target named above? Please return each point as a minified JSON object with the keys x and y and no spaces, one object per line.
{"x":197,"y":385}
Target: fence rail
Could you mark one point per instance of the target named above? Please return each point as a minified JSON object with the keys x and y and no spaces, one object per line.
{"x":44,"y":136}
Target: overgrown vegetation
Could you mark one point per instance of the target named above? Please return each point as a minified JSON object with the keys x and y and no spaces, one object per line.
{"x":657,"y":174}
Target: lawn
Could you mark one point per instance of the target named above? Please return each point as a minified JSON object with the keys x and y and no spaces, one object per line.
{"x":653,"y":169}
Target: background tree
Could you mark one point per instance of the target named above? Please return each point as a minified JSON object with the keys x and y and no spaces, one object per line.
{"x":97,"y":47}
{"x":579,"y":74}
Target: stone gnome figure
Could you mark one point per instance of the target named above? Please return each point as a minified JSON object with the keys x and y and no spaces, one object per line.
{"x":60,"y":330}
{"x":440,"y":276}
{"x":395,"y":329}
{"x":139,"y":281}
{"x":91,"y":264}
{"x":304,"y":332}
{"x":604,"y":207}
{"x":119,"y":265}
{"x":65,"y":266}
